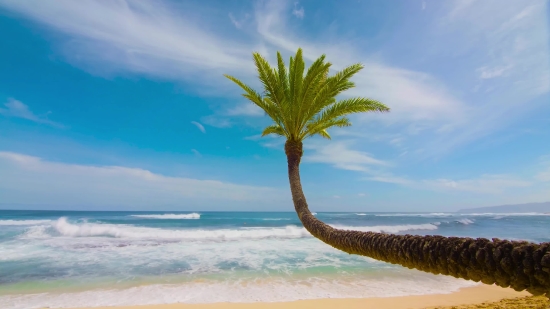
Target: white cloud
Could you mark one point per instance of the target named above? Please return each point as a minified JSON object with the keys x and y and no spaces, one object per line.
{"x":150,"y":37}
{"x":486,"y":184}
{"x":31,"y":180}
{"x":238,"y":23}
{"x":245,"y":109}
{"x":199,"y":126}
{"x":488,"y":73}
{"x":388,"y":178}
{"x":544,"y":169}
{"x":18,"y":109}
{"x":298,"y":12}
{"x":492,"y":184}
{"x":512,"y":39}
{"x":217,"y":121}
{"x":196,"y":152}
{"x":256,"y":137}
{"x":412,"y":96}
{"x":505,"y":52}
{"x":274,"y":143}
{"x":340,"y":156}
{"x":336,"y":196}
{"x":160,"y":39}
{"x":227,"y":118}
{"x":544,"y":175}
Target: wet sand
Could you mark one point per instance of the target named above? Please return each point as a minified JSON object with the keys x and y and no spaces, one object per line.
{"x":482,"y":296}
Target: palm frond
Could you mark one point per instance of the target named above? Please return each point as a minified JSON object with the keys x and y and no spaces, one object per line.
{"x":302,"y":106}
{"x":274,"y":129}
{"x":324,"y":134}
{"x":319,"y":125}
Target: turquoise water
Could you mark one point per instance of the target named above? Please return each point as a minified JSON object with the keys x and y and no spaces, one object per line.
{"x":65,"y":259}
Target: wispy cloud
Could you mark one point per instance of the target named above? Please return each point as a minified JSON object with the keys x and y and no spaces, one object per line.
{"x":153,"y":37}
{"x":17,"y":109}
{"x":234,"y":115}
{"x":507,"y":50}
{"x":31,"y":180}
{"x":488,"y":73}
{"x":492,"y":184}
{"x":217,"y":121}
{"x":514,"y":39}
{"x":340,"y":156}
{"x":246,"y":109}
{"x":509,"y":47}
{"x":196,"y":152}
{"x":544,"y":169}
{"x":389,"y":178}
{"x":238,"y":23}
{"x":150,"y":37}
{"x":412,"y":95}
{"x":485,"y":184}
{"x":298,"y":11}
{"x":199,"y":126}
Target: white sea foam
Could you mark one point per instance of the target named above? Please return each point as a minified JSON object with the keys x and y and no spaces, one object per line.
{"x":67,"y":229}
{"x":361,"y":214}
{"x":429,"y":215}
{"x":510,"y":214}
{"x":24,"y":222}
{"x":465,"y":221}
{"x":262,"y":290}
{"x":63,"y":227}
{"x":276,"y":219}
{"x":170,"y":216}
{"x":391,"y":228}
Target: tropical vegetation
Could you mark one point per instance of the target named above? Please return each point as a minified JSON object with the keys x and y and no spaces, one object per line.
{"x":303,"y":104}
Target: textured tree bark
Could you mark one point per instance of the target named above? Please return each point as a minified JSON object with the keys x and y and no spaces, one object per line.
{"x":517,"y":264}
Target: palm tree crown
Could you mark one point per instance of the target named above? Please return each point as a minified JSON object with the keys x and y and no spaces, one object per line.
{"x":302,"y":106}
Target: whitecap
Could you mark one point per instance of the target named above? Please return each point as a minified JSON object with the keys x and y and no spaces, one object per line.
{"x":429,"y":215}
{"x":465,"y":221}
{"x":170,"y":216}
{"x":24,"y":222}
{"x":67,"y":229}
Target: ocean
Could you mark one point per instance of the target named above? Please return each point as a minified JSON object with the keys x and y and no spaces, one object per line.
{"x":63,"y":259}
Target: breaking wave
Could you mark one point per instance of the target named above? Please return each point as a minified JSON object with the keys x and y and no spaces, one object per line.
{"x":62,"y":227}
{"x":465,"y":221}
{"x":170,"y":216}
{"x":391,"y":228}
{"x":24,"y":222}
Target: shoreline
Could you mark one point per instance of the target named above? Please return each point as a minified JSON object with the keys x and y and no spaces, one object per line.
{"x":464,"y":296}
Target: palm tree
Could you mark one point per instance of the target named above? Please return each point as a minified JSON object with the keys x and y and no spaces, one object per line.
{"x":302,"y":106}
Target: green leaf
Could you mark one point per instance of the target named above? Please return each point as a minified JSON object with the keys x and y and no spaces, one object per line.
{"x":302,"y":106}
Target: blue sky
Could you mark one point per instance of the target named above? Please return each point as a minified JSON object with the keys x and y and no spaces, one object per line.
{"x":121,"y":105}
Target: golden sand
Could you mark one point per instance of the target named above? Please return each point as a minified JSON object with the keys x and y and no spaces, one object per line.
{"x":529,"y":302}
{"x":482,"y":296}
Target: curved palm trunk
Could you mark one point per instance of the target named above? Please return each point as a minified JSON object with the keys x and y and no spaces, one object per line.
{"x":520,"y":265}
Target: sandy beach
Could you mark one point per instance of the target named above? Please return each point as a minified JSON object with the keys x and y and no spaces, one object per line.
{"x":466,"y":296}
